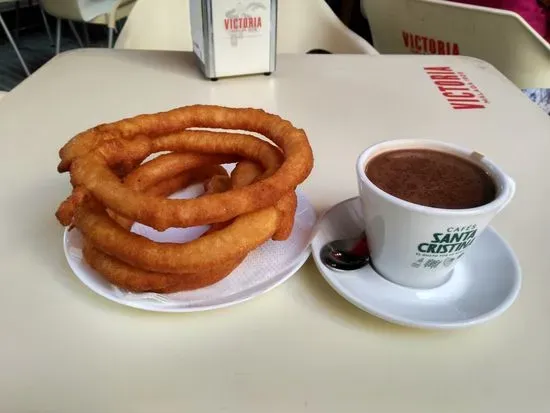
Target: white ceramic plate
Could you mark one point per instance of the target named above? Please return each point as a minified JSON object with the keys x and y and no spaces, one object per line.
{"x":263,"y":269}
{"x":483,"y":285}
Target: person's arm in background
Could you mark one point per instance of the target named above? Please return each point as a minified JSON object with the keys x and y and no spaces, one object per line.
{"x":532,"y":11}
{"x":535,"y":12}
{"x":545,"y":5}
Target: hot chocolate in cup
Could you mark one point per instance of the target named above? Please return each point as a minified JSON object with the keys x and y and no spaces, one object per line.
{"x":424,"y":204}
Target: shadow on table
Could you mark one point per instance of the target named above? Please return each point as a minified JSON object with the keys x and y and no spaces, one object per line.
{"x":317,"y":293}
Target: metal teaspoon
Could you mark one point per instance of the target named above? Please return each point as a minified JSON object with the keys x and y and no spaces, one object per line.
{"x":346,"y":254}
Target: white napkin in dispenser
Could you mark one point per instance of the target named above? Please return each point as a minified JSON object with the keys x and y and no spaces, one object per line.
{"x":234,"y":37}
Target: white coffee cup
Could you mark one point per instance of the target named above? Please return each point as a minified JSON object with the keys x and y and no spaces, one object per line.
{"x":415,"y":245}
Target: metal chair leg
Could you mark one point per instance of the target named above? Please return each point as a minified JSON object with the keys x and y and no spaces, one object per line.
{"x":8,"y":34}
{"x":110,"y":37}
{"x":17,"y":19}
{"x":78,"y":39}
{"x":86,"y":35}
{"x":48,"y":31}
{"x":58,"y":37}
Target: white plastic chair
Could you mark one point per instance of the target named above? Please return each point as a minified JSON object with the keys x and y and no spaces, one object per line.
{"x":499,"y":37}
{"x":10,"y":38}
{"x":303,"y":25}
{"x":2,"y":94}
{"x":105,"y":12}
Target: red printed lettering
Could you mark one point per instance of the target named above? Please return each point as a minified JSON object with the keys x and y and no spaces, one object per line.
{"x":458,"y":95}
{"x":444,"y":89}
{"x":432,"y":46}
{"x":449,"y":83}
{"x":455,"y":49}
{"x":424,"y":43}
{"x":443,"y":77}
{"x":467,"y":106}
{"x":243,"y":23}
{"x":438,"y":69}
{"x":456,"y":88}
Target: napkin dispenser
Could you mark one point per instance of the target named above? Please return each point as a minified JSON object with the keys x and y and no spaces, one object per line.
{"x":234,"y":37}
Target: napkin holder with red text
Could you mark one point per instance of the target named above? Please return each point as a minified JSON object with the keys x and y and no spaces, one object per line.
{"x":234,"y":37}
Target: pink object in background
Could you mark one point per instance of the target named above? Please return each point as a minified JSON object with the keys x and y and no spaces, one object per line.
{"x":530,"y":10}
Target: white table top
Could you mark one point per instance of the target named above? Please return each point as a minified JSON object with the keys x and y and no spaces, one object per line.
{"x":299,"y":347}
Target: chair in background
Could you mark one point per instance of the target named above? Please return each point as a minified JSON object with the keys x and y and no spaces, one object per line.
{"x":311,"y":24}
{"x":10,"y":38}
{"x":303,"y":25}
{"x":45,"y":20}
{"x":499,"y":37}
{"x":157,"y":26}
{"x":104,"y":12}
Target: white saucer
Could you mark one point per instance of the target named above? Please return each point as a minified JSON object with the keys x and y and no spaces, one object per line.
{"x":483,"y":285}
{"x":263,"y":269}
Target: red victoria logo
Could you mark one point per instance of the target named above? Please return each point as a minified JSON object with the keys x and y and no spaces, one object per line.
{"x":242,"y":19}
{"x":428,"y":45}
{"x":459,"y":91}
{"x":242,"y":23}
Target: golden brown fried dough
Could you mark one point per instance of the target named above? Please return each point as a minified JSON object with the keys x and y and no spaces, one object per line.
{"x":247,"y":172}
{"x":113,"y":188}
{"x":137,"y":280}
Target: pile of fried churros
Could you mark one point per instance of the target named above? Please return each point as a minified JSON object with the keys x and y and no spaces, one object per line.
{"x":117,"y":182}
